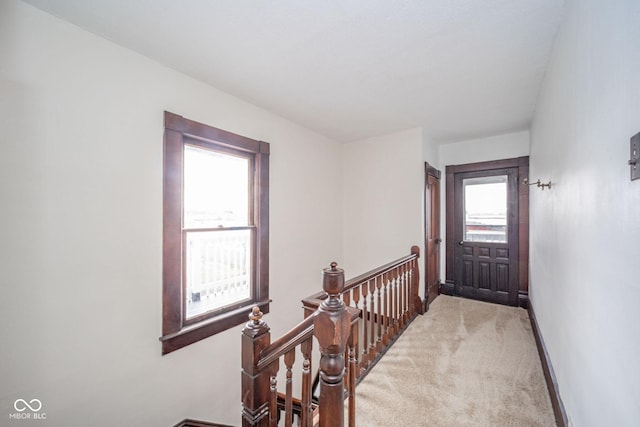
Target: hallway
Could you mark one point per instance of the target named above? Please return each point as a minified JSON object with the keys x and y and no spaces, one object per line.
{"x":353,"y":98}
{"x":463,"y":363}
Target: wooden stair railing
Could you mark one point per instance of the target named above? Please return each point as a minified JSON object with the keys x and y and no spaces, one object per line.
{"x":372,"y":309}
{"x":335,"y":327}
{"x":388,"y":299}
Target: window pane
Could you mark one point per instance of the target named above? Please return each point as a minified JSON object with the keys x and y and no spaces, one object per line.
{"x":216,"y":189}
{"x":218,"y":269}
{"x":485,"y":209}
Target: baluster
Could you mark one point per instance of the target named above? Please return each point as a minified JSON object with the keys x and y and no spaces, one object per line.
{"x":397,"y":303}
{"x":289,"y":359}
{"x":346,"y":298}
{"x":404,"y":295}
{"x":356,"y":301}
{"x":415,"y":293}
{"x":306,"y":418}
{"x":356,"y":296}
{"x":372,"y":315}
{"x":410,"y":291}
{"x":255,"y":400}
{"x":332,"y":325}
{"x":392,"y":275}
{"x":409,"y":288}
{"x":351,"y":379}
{"x":407,"y":283}
{"x":403,"y":282}
{"x":379,"y":318}
{"x":390,"y":305}
{"x":385,"y":323}
{"x":365,"y":320}
{"x":273,"y":401}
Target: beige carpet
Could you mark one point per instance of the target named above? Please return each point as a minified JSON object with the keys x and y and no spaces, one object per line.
{"x":464,"y":363}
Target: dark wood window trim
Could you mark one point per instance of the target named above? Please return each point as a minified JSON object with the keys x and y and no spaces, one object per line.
{"x":522,"y":163}
{"x":176,"y":333}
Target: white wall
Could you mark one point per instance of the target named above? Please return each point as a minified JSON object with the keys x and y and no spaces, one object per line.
{"x":81,"y":126}
{"x":585,"y":258}
{"x":383,"y":181}
{"x":497,"y":147}
{"x":430,"y":150}
{"x":507,"y":146}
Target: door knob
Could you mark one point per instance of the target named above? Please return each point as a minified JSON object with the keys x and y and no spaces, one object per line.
{"x":461,"y":242}
{"x":437,"y":240}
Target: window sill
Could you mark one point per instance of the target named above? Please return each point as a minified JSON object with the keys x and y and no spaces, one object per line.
{"x":206,"y":328}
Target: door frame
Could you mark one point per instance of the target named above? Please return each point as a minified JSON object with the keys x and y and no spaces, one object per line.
{"x":428,"y":218}
{"x":522,"y":163}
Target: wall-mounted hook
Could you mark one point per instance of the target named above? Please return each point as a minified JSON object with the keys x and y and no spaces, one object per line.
{"x":537,"y":183}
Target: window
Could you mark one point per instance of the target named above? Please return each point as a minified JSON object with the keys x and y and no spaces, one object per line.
{"x":485,"y":209}
{"x":216,"y":230}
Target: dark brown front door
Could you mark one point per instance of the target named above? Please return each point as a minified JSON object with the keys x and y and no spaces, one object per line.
{"x":484,"y":237}
{"x":432,"y":231}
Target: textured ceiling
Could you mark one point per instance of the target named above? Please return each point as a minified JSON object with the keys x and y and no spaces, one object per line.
{"x":348,"y":69}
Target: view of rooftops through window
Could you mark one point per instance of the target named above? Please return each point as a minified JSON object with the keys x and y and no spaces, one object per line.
{"x":217,"y":230}
{"x":485,"y":209}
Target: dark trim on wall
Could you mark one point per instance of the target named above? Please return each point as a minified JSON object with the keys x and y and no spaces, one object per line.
{"x":432,"y":171}
{"x":523,"y":227}
{"x":195,"y":423}
{"x":523,"y":300}
{"x":549,"y":376}
{"x":448,"y":287}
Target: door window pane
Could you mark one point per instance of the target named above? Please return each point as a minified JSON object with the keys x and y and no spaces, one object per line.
{"x":485,"y":209}
{"x":218,"y":269}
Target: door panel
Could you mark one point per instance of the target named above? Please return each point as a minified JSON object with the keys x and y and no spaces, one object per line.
{"x":502,"y":276}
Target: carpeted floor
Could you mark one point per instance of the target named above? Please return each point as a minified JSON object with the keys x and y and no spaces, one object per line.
{"x":464,"y":363}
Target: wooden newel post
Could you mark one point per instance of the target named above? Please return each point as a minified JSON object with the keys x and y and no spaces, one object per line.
{"x":332,"y":324}
{"x":255,"y":384}
{"x":418,"y":307}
